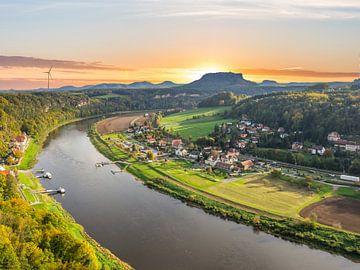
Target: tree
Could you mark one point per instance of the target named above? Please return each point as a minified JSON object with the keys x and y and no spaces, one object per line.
{"x":355,"y":166}
{"x":150,"y":155}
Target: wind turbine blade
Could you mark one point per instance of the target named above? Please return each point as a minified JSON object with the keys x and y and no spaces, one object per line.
{"x":50,"y":69}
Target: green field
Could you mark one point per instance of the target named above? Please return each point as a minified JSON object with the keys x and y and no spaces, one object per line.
{"x":195,"y":123}
{"x":348,"y":192}
{"x":272,"y":195}
{"x":29,"y":158}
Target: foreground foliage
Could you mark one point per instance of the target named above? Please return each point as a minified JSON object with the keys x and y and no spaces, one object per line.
{"x":43,"y":237}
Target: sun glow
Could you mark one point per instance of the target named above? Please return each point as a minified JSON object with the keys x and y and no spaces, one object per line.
{"x":196,"y":73}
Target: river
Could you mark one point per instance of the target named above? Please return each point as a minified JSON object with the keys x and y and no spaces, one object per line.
{"x":151,"y":230}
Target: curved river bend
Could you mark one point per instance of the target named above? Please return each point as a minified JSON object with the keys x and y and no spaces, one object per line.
{"x":150,"y":230}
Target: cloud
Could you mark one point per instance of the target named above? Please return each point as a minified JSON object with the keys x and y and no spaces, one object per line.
{"x":261,"y":9}
{"x":32,"y":62}
{"x":208,"y":9}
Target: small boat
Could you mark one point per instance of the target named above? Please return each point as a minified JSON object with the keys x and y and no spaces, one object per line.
{"x":47,"y":175}
{"x":115,"y":172}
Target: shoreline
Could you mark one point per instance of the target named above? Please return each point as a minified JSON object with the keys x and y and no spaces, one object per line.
{"x":294,"y":230}
{"x":103,"y":251}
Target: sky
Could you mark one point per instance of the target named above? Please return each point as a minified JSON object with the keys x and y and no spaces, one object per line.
{"x":89,"y":42}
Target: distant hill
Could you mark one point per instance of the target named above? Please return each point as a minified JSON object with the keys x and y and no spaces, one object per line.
{"x":106,"y":86}
{"x":208,"y":85}
{"x":220,"y":81}
{"x":268,"y":83}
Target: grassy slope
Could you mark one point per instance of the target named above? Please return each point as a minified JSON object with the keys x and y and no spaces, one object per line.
{"x":248,"y":190}
{"x":348,"y":192}
{"x":184,"y":124}
{"x":29,"y":158}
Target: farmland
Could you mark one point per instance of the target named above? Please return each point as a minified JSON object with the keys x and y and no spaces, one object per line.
{"x":258,"y":190}
{"x":336,"y":211}
{"x":195,"y":123}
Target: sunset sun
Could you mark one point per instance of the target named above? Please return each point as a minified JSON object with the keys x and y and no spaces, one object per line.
{"x":197,"y":73}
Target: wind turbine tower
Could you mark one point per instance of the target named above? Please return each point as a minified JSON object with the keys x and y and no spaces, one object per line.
{"x":49,"y":77}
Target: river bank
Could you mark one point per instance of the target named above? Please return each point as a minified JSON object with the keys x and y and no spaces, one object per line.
{"x":311,"y":233}
{"x":106,"y":259}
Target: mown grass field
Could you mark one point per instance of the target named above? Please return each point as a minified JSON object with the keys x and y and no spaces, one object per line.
{"x":195,"y":123}
{"x":263,"y":192}
{"x":29,"y":158}
{"x":272,"y":195}
{"x":348,"y":192}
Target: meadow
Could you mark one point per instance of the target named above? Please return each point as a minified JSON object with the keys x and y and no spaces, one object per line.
{"x":195,"y":123}
{"x":260,"y":190}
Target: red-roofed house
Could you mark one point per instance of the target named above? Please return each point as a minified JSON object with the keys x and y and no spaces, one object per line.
{"x":247,"y":164}
{"x":3,"y":171}
{"x":177,"y":143}
{"x":21,"y":141}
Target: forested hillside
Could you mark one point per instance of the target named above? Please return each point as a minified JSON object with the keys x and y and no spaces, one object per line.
{"x":315,"y":114}
{"x":221,"y":99}
{"x":34,"y":237}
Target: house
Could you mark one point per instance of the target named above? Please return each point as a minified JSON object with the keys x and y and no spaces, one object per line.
{"x":317,"y":149}
{"x":252,"y":130}
{"x":224,"y":166}
{"x":341,"y":144}
{"x":281,"y":130}
{"x":347,"y":145}
{"x":151,"y":140}
{"x":297,"y":146}
{"x":333,"y":136}
{"x":284,"y":135}
{"x":242,"y":144}
{"x":247,"y":164}
{"x":177,"y":143}
{"x":265,"y":129}
{"x":241,"y":127}
{"x":232,"y":153}
{"x":162,"y":143}
{"x":243,"y":135}
{"x":181,"y":152}
{"x":194,"y":155}
{"x":255,"y":140}
{"x":352,"y":146}
{"x":21,"y":141}
{"x":3,"y":171}
{"x":212,"y":161}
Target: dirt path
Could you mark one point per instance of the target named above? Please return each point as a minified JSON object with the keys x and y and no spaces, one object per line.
{"x":336,"y":211}
{"x":118,"y":123}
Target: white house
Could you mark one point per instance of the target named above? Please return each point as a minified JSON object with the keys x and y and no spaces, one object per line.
{"x":333,"y":136}
{"x":211,"y":161}
{"x":317,"y":149}
{"x":353,"y":147}
{"x":181,"y":152}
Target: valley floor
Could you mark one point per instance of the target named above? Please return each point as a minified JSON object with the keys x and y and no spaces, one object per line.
{"x":266,"y":200}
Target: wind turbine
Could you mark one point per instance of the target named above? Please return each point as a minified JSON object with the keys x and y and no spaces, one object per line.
{"x":49,"y":76}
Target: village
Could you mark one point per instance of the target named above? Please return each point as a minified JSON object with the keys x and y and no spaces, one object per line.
{"x":17,"y":147}
{"x":150,"y":143}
